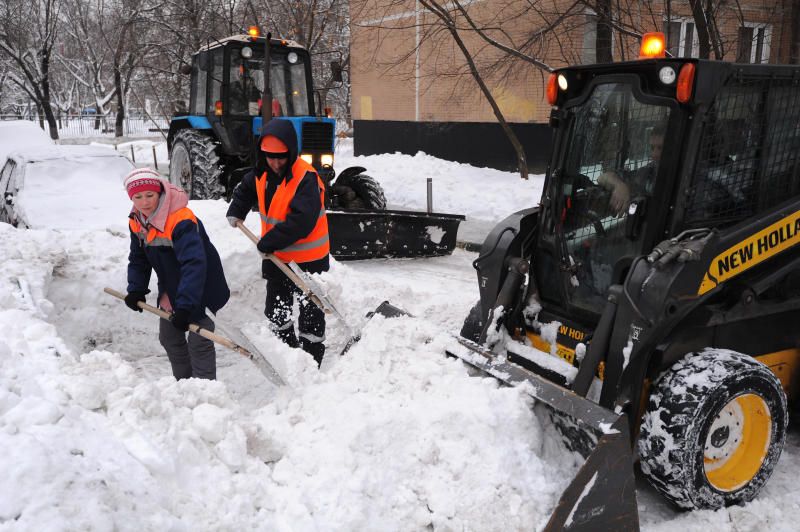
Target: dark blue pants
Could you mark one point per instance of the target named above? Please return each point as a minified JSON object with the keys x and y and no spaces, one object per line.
{"x":311,"y":325}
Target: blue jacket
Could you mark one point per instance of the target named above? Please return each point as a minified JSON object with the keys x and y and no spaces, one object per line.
{"x":186,"y":263}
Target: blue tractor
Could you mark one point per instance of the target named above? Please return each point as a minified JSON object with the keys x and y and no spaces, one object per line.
{"x":215,"y":143}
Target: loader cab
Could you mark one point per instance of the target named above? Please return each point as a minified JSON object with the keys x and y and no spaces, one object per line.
{"x":228,"y":83}
{"x":612,"y":173}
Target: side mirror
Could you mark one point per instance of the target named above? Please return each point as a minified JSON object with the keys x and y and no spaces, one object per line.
{"x":185,"y":69}
{"x":336,"y":71}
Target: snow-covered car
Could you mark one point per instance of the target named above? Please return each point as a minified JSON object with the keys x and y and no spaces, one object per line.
{"x":19,"y":134}
{"x":64,"y":187}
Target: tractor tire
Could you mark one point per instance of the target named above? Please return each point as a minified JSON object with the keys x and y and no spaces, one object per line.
{"x":714,"y":429}
{"x":368,"y":193}
{"x":194,"y":165}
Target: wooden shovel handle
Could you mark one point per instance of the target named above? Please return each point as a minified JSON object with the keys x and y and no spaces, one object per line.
{"x":205,"y":333}
{"x":284,"y":268}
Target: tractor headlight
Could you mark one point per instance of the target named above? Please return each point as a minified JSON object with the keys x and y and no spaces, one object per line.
{"x":247,"y":52}
{"x":327,"y":159}
{"x":292,"y":58}
{"x":307,"y":157}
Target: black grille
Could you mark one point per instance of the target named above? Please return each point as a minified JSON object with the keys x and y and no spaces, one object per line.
{"x":749,"y":158}
{"x":317,"y":137}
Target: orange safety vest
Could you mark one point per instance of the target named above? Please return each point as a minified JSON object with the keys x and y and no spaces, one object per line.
{"x":154,"y":237}
{"x":315,"y":245}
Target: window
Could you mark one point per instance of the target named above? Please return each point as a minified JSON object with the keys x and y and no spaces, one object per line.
{"x":682,"y":38}
{"x":198,"y":95}
{"x":216,"y":80}
{"x":754,"y":43}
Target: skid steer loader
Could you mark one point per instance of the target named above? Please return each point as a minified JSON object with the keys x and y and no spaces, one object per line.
{"x":652,"y":299}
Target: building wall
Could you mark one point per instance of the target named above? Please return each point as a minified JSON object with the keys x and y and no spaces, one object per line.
{"x":411,"y":84}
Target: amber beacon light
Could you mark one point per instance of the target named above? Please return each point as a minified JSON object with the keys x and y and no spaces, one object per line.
{"x":653,"y":46}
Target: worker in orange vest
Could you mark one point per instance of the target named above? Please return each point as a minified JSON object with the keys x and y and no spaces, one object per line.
{"x":166,"y":237}
{"x":291,"y":202}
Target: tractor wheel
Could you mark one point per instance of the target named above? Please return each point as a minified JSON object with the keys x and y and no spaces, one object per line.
{"x":714,"y":429}
{"x":194,"y":165}
{"x":368,"y":193}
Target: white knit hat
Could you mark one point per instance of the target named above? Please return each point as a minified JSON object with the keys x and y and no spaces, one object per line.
{"x":143,"y":179}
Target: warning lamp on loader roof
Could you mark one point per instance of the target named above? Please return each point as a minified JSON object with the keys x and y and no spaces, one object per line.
{"x":653,"y":46}
{"x":254,"y":32}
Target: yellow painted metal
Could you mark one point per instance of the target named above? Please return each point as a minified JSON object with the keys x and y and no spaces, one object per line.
{"x":561,"y":351}
{"x":786,"y":366}
{"x":731,"y":472}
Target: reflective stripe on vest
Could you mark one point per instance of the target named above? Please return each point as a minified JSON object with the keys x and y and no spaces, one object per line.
{"x":313,"y":246}
{"x":152,"y":237}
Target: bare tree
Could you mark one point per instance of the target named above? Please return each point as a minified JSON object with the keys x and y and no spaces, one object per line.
{"x":86,"y":60}
{"x":28,"y":31}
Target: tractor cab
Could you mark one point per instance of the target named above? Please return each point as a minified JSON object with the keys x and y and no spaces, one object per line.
{"x":215,"y":143}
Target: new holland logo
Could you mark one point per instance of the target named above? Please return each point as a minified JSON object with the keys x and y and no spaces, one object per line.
{"x":768,"y":242}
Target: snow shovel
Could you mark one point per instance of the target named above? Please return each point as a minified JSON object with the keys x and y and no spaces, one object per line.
{"x":258,"y":359}
{"x":310,"y":288}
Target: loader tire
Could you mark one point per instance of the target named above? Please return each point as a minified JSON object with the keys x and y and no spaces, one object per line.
{"x":368,"y":193}
{"x":195,"y":166}
{"x":714,"y":429}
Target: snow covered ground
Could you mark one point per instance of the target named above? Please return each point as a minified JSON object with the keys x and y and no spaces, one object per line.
{"x":96,"y":435}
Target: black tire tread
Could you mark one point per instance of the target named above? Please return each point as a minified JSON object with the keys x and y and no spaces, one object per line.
{"x":686,"y":397}
{"x":206,"y":168}
{"x":369,"y":194}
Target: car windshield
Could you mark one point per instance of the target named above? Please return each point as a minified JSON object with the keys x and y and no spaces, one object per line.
{"x":610,"y":162}
{"x":75,"y":192}
{"x":287,"y":79}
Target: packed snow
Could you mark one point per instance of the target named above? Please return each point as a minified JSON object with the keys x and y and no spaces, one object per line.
{"x":96,"y":435}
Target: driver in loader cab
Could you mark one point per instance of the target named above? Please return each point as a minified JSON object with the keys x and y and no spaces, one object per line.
{"x":290,"y":197}
{"x":640,"y":182}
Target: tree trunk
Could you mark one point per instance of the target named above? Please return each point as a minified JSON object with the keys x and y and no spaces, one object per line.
{"x":702,"y":28}
{"x":603,"y":42}
{"x":48,"y":109}
{"x":118,"y":125}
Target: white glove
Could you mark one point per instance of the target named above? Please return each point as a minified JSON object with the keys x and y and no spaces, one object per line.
{"x":233,"y":220}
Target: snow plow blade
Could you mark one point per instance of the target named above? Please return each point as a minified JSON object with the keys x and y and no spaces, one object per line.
{"x":602,"y":496}
{"x":395,"y":234}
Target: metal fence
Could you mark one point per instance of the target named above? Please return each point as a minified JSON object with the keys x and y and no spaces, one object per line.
{"x":87,"y":125}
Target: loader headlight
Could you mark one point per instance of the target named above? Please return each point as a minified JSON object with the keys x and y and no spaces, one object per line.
{"x":247,"y":52}
{"x":307,"y":157}
{"x":292,"y":58}
{"x":327,"y":159}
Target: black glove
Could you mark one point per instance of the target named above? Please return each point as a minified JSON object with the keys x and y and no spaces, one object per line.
{"x":180,"y":319}
{"x":263,"y":247}
{"x":133,"y":298}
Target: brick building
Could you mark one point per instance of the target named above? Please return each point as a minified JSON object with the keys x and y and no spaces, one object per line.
{"x":412,"y":89}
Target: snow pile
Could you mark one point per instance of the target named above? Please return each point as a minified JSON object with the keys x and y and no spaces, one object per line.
{"x":482,"y":193}
{"x":392,"y":436}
